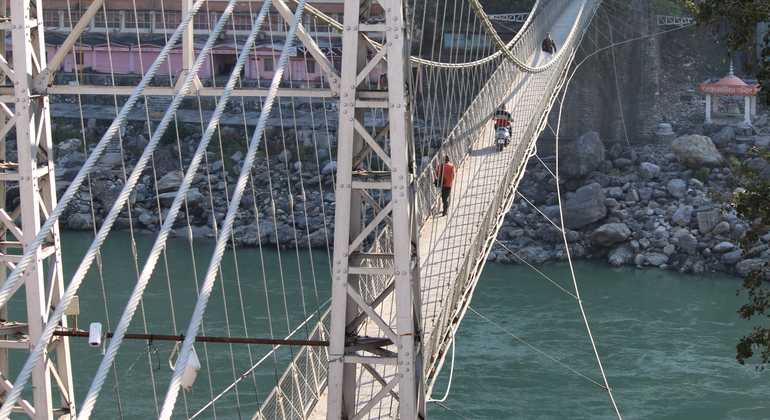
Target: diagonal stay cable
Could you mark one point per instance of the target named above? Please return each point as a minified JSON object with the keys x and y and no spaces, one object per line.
{"x":74,"y":187}
{"x":257,"y":364}
{"x":31,"y":252}
{"x":538,"y":350}
{"x":227,"y":229}
{"x":535,"y":268}
{"x":571,"y":266}
{"x":561,"y":230}
{"x":159,"y":244}
{"x":545,"y":166}
{"x":450,"y":410}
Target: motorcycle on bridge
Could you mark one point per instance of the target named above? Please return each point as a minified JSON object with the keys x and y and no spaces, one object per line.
{"x":502,"y":138}
{"x":502,"y":120}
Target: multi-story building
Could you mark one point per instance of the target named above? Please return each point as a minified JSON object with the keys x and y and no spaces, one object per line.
{"x":125,"y":37}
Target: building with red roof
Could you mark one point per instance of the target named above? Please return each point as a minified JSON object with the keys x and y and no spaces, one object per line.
{"x":730,"y":85}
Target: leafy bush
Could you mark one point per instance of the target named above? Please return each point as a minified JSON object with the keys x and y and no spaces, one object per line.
{"x":231,"y":141}
{"x":750,"y":204}
{"x":702,"y":174}
{"x":61,"y":134}
{"x":176,"y":130}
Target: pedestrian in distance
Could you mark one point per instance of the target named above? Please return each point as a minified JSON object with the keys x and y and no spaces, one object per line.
{"x":549,"y":47}
{"x":446,"y":173}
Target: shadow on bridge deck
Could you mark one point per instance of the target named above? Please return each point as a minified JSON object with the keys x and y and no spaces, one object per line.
{"x":446,"y":241}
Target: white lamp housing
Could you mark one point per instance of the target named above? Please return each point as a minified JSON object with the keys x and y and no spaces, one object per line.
{"x":191,"y":371}
{"x":95,"y":334}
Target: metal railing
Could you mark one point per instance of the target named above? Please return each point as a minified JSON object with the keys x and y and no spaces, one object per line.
{"x":303,"y":382}
{"x":540,"y":101}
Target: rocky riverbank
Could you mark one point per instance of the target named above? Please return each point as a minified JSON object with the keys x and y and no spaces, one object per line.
{"x":654,"y":205}
{"x":649,"y":205}
{"x":292,"y":199}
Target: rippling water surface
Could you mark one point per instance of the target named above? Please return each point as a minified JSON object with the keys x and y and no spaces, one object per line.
{"x":667,"y":341}
{"x":667,"y":344}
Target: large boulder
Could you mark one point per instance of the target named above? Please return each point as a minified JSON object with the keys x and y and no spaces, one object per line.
{"x":682,"y":216}
{"x":656,"y":259}
{"x":732,"y":257}
{"x":696,"y":151}
{"x":80,"y":221}
{"x":724,"y":137}
{"x":284,"y":156}
{"x":723,"y":247}
{"x":170,"y":182}
{"x":194,"y":197}
{"x":760,"y":167}
{"x":677,"y":188}
{"x":68,"y":146}
{"x":329,"y":168}
{"x":584,"y":206}
{"x":622,"y":255}
{"x":611,"y":234}
{"x":688,"y":243}
{"x":649,"y":170}
{"x":166,"y":199}
{"x":707,"y":220}
{"x":744,"y":267}
{"x":581,"y":157}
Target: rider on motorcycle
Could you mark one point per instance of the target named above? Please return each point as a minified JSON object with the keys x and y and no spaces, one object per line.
{"x":502,"y":118}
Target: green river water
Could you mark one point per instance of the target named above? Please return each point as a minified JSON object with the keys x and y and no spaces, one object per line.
{"x":667,"y":344}
{"x":667,"y":341}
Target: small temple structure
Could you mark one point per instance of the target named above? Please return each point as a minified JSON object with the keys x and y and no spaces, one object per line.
{"x":730,"y":85}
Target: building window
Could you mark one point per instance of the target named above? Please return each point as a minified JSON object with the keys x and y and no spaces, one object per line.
{"x":310,"y":65}
{"x":51,"y":19}
{"x":138,"y":19}
{"x":168,"y":20}
{"x":204,"y":21}
{"x":240,"y":22}
{"x":268,"y":66}
{"x":71,"y":18}
{"x":274,"y":22}
{"x":312,"y":24}
{"x":107,"y":20}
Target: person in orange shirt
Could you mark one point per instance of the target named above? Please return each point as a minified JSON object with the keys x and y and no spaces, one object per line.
{"x":446,"y":172}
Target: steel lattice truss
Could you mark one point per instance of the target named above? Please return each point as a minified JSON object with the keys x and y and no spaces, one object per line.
{"x":381,"y":88}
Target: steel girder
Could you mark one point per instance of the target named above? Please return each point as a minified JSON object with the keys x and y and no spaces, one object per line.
{"x":27,"y":111}
{"x":375,"y":237}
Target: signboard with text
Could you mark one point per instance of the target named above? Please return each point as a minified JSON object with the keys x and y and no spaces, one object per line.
{"x":744,"y":90}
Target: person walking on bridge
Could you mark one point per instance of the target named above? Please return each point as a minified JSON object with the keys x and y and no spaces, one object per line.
{"x":446,"y":173}
{"x":549,"y":47}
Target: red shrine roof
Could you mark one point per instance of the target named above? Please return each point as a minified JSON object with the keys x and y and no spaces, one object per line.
{"x":731,"y":80}
{"x":729,"y":85}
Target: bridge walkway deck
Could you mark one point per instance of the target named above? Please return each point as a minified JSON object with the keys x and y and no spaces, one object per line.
{"x":445,"y":240}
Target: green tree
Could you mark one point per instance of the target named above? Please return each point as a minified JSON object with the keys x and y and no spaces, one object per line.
{"x":736,"y":21}
{"x":669,"y":7}
{"x":751,"y":204}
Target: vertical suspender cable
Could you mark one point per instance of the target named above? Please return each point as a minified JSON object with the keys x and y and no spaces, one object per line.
{"x":200,"y":307}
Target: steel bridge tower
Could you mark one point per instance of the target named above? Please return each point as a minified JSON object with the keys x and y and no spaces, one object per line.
{"x":26,"y":110}
{"x":394,"y":360}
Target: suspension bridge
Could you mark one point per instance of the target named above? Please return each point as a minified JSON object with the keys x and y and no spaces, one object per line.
{"x":386,"y":88}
